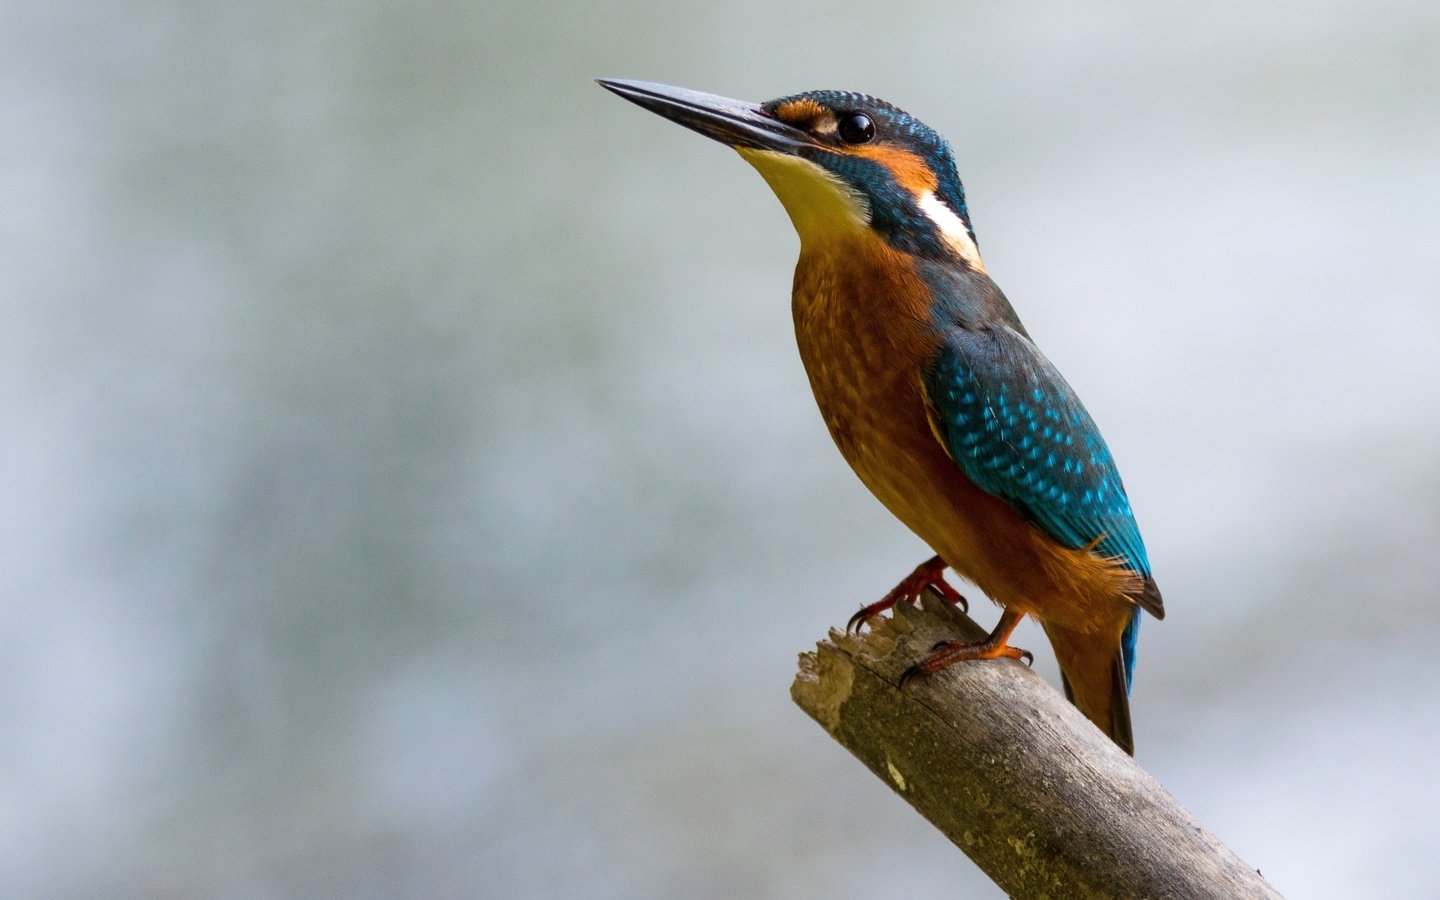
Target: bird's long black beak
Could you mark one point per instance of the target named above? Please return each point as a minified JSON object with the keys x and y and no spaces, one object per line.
{"x":732,"y":122}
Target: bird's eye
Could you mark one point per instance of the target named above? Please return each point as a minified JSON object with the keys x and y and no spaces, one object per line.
{"x":856,"y":128}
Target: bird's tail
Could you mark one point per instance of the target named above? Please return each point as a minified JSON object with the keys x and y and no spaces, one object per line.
{"x":1092,"y":669}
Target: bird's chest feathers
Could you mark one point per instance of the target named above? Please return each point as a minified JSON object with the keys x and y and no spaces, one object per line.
{"x":862,"y":325}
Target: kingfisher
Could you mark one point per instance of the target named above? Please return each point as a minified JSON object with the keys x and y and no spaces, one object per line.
{"x":933,"y":390}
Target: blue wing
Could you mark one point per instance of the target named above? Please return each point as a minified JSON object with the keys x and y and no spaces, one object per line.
{"x":1017,"y":429}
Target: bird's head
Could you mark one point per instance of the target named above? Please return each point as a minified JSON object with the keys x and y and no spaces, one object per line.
{"x":841,"y":163}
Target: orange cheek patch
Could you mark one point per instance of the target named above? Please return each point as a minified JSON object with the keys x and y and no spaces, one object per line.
{"x":908,"y":170}
{"x":799,"y":111}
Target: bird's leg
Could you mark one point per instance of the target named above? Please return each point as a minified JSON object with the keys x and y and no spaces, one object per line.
{"x":930,"y":573}
{"x":993,"y":647}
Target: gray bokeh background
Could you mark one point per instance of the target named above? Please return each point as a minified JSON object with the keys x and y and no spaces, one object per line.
{"x":411,"y":488}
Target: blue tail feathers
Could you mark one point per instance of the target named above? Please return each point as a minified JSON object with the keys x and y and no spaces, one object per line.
{"x":1128,"y":642}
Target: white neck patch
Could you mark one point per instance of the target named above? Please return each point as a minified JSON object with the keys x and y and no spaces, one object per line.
{"x":952,"y":229}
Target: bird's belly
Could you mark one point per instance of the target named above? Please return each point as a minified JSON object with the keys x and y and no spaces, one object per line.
{"x":876,"y":416}
{"x":865,"y":371}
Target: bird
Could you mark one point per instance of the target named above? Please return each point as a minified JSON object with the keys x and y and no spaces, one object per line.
{"x":933,"y":390}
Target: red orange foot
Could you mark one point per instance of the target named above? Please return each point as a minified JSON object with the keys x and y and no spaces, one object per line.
{"x":995,"y":646}
{"x":930,"y":573}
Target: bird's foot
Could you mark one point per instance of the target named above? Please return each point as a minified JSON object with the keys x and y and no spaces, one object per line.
{"x":930,"y":573}
{"x":947,"y":653}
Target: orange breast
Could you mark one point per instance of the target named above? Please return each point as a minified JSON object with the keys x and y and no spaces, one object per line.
{"x":862,"y":321}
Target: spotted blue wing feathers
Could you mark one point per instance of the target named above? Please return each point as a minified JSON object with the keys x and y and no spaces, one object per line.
{"x":1017,"y":429}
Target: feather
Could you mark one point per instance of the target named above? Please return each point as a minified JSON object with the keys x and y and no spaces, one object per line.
{"x":1019,"y":432}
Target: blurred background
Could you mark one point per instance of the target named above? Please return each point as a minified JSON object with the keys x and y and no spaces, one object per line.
{"x":411,"y":488}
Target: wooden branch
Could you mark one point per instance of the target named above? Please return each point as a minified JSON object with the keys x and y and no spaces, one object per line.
{"x":1008,"y":770}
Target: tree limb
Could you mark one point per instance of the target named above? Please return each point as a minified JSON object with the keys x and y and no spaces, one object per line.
{"x":1014,"y":775}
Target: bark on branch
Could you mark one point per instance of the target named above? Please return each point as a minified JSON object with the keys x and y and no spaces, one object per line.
{"x":1008,"y":770}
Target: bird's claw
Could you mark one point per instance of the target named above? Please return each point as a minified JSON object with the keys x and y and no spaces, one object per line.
{"x":909,"y":675}
{"x":946,"y":653}
{"x":929,"y":574}
{"x":952,"y":596}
